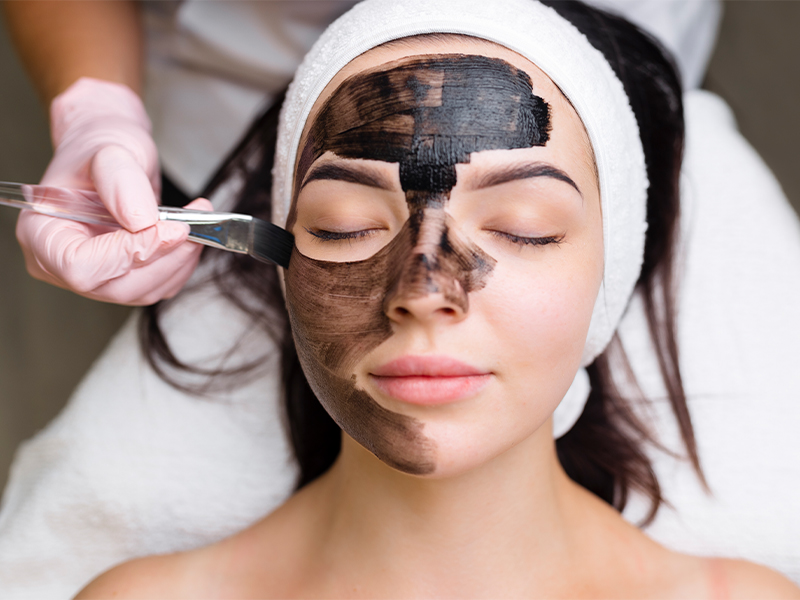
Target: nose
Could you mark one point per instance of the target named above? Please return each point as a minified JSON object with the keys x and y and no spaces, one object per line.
{"x":432,"y":282}
{"x":425,"y":294}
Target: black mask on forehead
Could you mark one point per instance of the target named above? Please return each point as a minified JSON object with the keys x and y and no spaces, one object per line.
{"x":428,"y":114}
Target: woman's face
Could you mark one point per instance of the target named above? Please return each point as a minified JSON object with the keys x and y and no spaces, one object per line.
{"x":448,"y":252}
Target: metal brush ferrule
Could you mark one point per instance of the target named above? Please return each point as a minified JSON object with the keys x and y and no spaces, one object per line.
{"x":226,"y":231}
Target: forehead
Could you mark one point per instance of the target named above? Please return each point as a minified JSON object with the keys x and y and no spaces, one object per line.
{"x":431,"y":110}
{"x":423,"y":45}
{"x":568,"y":141}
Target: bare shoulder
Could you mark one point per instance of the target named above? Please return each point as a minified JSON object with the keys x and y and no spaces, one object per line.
{"x":742,"y":579}
{"x":255,"y":562}
{"x":666,"y":573}
{"x":149,"y":577}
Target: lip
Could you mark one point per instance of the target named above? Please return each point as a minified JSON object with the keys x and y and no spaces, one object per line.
{"x":429,"y":380}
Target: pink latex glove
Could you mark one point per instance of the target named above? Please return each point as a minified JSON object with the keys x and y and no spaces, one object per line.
{"x":101,"y":135}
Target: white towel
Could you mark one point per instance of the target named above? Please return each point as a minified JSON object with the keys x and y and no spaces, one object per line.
{"x":739,"y":340}
{"x":133,"y":467}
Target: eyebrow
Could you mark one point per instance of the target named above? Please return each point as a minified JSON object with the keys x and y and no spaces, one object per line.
{"x":526,"y":171}
{"x":360,"y":174}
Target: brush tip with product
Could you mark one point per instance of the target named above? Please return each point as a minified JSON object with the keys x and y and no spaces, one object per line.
{"x":271,"y":243}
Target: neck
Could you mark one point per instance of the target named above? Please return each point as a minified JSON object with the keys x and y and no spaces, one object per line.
{"x":509,"y":520}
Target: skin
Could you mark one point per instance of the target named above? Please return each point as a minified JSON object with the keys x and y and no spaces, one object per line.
{"x":496,"y":516}
{"x":60,"y":41}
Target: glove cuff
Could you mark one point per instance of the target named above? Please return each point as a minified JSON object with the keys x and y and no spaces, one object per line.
{"x":89,"y":98}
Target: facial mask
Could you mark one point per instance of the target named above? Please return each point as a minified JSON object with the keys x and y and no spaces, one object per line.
{"x":427,"y":114}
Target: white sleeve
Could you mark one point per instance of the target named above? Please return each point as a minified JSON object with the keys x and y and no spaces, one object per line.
{"x":214,"y":66}
{"x":687,"y":28}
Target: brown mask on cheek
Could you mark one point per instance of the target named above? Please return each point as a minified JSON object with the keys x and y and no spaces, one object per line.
{"x":427,"y":114}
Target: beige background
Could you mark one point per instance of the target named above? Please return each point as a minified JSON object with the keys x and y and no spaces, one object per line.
{"x":48,"y":337}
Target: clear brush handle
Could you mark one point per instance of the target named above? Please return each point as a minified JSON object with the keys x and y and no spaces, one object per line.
{"x":75,"y":205}
{"x":227,"y":231}
{"x":210,"y":228}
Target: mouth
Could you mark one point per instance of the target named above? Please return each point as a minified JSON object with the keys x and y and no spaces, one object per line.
{"x":429,"y":380}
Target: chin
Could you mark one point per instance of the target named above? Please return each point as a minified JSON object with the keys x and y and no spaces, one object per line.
{"x":464,"y":447}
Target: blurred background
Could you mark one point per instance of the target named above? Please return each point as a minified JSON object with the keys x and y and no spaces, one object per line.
{"x":49,"y":338}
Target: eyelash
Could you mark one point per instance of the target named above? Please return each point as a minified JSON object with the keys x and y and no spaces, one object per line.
{"x":529,"y":241}
{"x":338,"y":236}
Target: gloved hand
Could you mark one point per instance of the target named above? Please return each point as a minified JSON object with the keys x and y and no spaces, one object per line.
{"x":101,"y":135}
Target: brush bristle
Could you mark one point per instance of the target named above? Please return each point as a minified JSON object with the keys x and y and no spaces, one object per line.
{"x":271,"y":243}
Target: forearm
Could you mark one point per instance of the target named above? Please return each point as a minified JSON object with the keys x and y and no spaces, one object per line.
{"x":60,"y":41}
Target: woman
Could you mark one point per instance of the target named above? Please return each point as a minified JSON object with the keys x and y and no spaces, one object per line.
{"x":469,"y":222}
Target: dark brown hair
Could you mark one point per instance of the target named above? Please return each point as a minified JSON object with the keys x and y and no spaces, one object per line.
{"x":605,"y":450}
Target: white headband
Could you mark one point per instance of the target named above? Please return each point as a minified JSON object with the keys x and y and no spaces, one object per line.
{"x":553,"y":44}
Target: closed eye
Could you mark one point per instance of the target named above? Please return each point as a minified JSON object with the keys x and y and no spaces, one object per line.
{"x":529,"y":241}
{"x":336,"y":236}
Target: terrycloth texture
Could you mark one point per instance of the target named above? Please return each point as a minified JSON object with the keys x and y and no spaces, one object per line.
{"x":566,"y":56}
{"x":132,"y":467}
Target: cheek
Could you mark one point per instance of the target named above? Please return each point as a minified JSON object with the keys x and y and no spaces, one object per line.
{"x":336,"y":309}
{"x":336,"y":315}
{"x":540,"y":312}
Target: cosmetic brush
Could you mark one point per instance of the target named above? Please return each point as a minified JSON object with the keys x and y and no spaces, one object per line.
{"x":233,"y":232}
